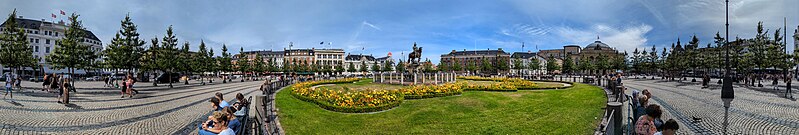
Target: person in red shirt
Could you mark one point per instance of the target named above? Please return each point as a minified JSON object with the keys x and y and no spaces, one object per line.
{"x":645,"y":124}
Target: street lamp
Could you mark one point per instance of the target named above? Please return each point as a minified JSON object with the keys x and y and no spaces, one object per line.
{"x":727,"y":93}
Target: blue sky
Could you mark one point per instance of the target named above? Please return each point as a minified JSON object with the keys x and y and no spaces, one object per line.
{"x":382,"y":26}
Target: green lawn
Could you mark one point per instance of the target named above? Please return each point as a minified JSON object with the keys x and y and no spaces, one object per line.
{"x":363,"y":84}
{"x":569,"y":111}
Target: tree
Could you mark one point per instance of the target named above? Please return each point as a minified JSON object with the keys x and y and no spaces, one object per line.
{"x":375,"y":67}
{"x":166,"y":55}
{"x":585,"y":65}
{"x":534,"y":64}
{"x":258,"y":64}
{"x":212,"y":65}
{"x":351,"y":68}
{"x":552,"y":65}
{"x":400,"y":66}
{"x":200,"y":60}
{"x":148,"y":60}
{"x":503,"y":64}
{"x":568,"y":65}
{"x":442,"y":67}
{"x":224,"y":62}
{"x":428,"y":66}
{"x":602,"y":64}
{"x":472,"y":67}
{"x":126,"y":48}
{"x":364,"y":67}
{"x":340,"y":68}
{"x":518,"y":65}
{"x":487,"y":66}
{"x":15,"y":51}
{"x":243,"y":63}
{"x":388,"y":66}
{"x":72,"y":54}
{"x":456,"y":66}
{"x":185,"y":61}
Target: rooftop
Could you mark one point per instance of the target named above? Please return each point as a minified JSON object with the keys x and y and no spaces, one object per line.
{"x":35,"y":24}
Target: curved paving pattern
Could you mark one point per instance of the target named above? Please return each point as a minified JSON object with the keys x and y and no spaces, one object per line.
{"x":155,"y":110}
{"x":752,"y":111}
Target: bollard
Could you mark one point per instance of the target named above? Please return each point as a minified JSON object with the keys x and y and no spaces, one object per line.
{"x":260,"y":106}
{"x":435,"y":80}
{"x":619,"y":93}
{"x":415,"y":75}
{"x":616,"y":120}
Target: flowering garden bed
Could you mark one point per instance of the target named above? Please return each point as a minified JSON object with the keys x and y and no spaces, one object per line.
{"x":373,"y":99}
{"x":370,"y":100}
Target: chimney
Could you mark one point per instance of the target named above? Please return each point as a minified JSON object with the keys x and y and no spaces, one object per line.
{"x":500,"y":49}
{"x":453,"y":51}
{"x":42,"y":20}
{"x":20,"y":17}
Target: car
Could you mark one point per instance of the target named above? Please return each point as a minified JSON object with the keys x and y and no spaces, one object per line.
{"x":93,"y":78}
{"x":164,"y":78}
{"x":36,"y":79}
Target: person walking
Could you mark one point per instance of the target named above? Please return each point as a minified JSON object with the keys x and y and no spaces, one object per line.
{"x":46,"y":82}
{"x":63,"y":95}
{"x":9,"y":82}
{"x":129,"y":85}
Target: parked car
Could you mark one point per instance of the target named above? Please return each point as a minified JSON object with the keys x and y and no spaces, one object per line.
{"x":93,"y":78}
{"x":164,"y":78}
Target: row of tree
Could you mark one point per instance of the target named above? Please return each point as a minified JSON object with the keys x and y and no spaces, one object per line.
{"x":747,"y":56}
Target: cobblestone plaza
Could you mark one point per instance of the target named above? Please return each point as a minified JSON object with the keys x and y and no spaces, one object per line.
{"x":98,"y":110}
{"x":759,"y":110}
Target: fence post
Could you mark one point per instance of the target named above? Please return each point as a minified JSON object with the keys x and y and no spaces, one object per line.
{"x":615,"y":107}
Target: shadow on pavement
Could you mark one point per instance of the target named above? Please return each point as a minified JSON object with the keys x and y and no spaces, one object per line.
{"x":15,"y":103}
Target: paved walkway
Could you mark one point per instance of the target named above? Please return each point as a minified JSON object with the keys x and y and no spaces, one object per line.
{"x":98,"y":110}
{"x":754,"y":110}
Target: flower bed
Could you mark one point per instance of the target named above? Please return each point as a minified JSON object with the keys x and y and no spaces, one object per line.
{"x":350,"y":102}
{"x":430,"y":91}
{"x":506,"y":84}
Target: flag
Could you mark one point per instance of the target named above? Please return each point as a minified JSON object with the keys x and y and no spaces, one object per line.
{"x":322,"y":43}
{"x":63,"y":13}
{"x":53,"y":15}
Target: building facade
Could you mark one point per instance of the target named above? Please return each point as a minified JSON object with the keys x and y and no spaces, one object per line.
{"x":42,"y":37}
{"x":274,"y":58}
{"x":463,"y":58}
{"x":526,"y":58}
{"x":357,"y":60}
{"x":329,"y":58}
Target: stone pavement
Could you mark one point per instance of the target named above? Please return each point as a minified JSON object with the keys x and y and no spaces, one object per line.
{"x":753,"y":111}
{"x":98,"y":110}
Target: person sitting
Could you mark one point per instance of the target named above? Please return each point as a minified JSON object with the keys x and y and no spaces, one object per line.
{"x":217,"y":124}
{"x":669,"y":128}
{"x":215,"y":104}
{"x":235,"y":124}
{"x":222,"y":102}
{"x":241,"y":105}
{"x":640,"y":109}
{"x":645,"y":124}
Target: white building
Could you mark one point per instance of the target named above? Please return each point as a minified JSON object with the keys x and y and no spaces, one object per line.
{"x":43,"y":35}
{"x":329,"y":57}
{"x":526,"y":57}
{"x":357,"y":61}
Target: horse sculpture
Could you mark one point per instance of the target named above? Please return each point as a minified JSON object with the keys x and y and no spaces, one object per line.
{"x":416,"y":55}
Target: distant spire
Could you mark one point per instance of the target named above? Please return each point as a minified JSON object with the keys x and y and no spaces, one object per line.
{"x":597,"y":37}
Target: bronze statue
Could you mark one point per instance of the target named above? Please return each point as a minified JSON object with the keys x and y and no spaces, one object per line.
{"x":416,"y":55}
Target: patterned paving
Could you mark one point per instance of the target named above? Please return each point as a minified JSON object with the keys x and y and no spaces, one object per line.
{"x":98,"y":110}
{"x":753,"y":111}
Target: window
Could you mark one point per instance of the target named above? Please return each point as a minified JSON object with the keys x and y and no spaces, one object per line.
{"x":37,"y":40}
{"x":31,"y":40}
{"x":56,"y":34}
{"x":47,"y":41}
{"x":36,"y":49}
{"x":46,"y":49}
{"x":36,"y":32}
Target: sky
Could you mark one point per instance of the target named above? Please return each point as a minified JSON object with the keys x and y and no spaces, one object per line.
{"x":378,"y":27}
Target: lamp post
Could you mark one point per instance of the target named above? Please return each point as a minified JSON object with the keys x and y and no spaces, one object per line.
{"x":727,"y":93}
